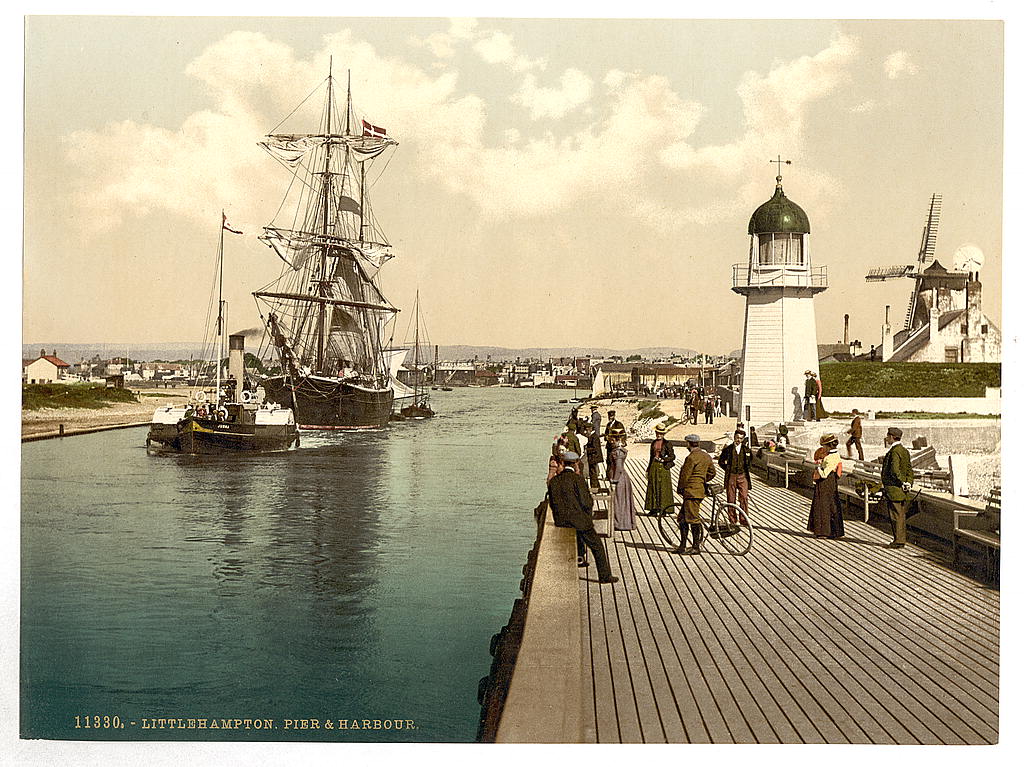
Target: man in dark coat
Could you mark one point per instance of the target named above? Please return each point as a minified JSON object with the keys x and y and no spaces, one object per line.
{"x":735,"y":461}
{"x":594,"y":457}
{"x":573,"y":506}
{"x":855,"y":431}
{"x":595,"y":419}
{"x":709,"y":408}
{"x":811,"y":396}
{"x":897,"y":475}
{"x":609,"y":443}
{"x":698,"y":469}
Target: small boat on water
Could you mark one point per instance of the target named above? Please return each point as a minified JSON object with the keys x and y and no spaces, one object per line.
{"x":419,"y":408}
{"x":234,"y":415}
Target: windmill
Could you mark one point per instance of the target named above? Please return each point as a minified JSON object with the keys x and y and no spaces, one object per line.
{"x":917,"y":314}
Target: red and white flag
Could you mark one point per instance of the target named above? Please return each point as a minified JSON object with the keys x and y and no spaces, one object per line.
{"x":374,"y":130}
{"x":224,"y":223}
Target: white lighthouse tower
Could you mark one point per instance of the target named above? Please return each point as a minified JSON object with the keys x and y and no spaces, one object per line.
{"x":779,"y":334}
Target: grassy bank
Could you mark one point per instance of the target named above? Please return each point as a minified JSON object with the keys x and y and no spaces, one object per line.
{"x":37,"y":396}
{"x":908,"y":379}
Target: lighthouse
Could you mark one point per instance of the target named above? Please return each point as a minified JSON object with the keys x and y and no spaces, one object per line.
{"x":779,"y":334}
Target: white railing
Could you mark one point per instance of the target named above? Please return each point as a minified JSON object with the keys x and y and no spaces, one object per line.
{"x":743,"y":276}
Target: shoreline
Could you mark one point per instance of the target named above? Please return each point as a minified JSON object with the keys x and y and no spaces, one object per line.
{"x":46,"y":423}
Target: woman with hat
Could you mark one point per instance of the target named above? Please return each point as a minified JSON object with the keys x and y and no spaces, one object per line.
{"x":625,"y":506}
{"x":826,"y":518}
{"x":659,"y":479}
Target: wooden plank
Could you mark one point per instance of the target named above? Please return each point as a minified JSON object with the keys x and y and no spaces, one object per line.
{"x":776,"y":708}
{"x":913,"y":687}
{"x":606,"y":727}
{"x":627,"y":713}
{"x":587,"y":658}
{"x":951,"y":596}
{"x":783,"y":644}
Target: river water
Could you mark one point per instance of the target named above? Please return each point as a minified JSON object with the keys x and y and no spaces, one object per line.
{"x":359,"y":577}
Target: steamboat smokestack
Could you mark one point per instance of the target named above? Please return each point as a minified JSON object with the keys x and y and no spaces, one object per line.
{"x":236,"y":364}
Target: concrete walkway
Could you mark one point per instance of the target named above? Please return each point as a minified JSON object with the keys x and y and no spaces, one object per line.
{"x":803,"y":640}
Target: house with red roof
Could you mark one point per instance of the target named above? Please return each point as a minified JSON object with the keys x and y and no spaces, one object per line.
{"x":46,"y":368}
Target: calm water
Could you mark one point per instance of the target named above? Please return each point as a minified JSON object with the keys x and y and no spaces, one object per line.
{"x":359,"y":577}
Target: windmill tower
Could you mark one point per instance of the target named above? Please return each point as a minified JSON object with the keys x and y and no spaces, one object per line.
{"x":779,"y":331}
{"x":936,"y":292}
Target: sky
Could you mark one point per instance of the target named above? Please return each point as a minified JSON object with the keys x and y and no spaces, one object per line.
{"x":557,"y":182}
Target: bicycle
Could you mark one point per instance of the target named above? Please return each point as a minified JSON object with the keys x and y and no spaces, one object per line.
{"x":719,"y":524}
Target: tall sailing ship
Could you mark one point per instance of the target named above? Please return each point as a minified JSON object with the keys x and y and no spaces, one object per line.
{"x":325,"y":315}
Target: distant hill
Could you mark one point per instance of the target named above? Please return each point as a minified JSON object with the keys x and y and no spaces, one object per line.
{"x":466,"y":352}
{"x":73,"y":353}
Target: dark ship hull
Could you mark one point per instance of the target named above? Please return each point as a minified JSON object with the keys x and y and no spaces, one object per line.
{"x":331,"y":403}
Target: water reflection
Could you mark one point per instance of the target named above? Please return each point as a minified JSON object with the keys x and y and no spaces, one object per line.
{"x":361,"y":574}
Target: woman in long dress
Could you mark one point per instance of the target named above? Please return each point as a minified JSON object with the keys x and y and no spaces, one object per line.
{"x":625,"y":506}
{"x":826,"y":518}
{"x":659,"y":478}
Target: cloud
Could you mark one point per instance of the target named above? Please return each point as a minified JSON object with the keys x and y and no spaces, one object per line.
{"x":864,"y":106}
{"x":897,"y":64}
{"x":443,"y":44}
{"x":635,"y":154}
{"x":575,"y":89}
{"x":498,"y":48}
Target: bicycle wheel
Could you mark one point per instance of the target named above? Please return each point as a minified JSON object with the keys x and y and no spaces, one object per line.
{"x":668,"y":524}
{"x":729,"y":535}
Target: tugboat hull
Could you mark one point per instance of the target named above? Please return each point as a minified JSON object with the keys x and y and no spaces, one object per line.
{"x":325,"y":403}
{"x":271,"y":430}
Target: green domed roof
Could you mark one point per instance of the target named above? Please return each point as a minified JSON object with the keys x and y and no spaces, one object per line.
{"x":779,"y":214}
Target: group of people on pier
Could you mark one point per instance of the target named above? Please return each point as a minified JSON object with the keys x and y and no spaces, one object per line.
{"x":574,"y":473}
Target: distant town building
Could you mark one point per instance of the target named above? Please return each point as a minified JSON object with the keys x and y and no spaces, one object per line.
{"x":635,"y":377}
{"x":46,"y":368}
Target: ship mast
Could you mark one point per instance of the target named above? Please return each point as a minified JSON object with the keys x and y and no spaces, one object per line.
{"x":220,"y":309}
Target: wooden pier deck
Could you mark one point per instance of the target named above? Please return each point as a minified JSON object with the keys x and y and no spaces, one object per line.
{"x":802,"y":640}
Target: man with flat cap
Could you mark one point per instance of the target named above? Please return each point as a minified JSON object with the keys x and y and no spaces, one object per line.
{"x":698,"y":469}
{"x":897,"y":475}
{"x":595,"y":419}
{"x":573,"y":506}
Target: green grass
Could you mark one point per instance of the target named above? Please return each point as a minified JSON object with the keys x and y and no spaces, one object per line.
{"x":648,"y":409}
{"x":36,"y":396}
{"x":907,"y":379}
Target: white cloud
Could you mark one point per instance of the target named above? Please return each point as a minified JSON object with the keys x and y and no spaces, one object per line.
{"x":575,"y":89}
{"x":637,"y":153}
{"x":864,"y":106}
{"x":897,"y":64}
{"x":498,"y":48}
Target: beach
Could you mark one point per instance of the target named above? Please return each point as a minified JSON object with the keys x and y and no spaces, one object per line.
{"x":46,"y":422}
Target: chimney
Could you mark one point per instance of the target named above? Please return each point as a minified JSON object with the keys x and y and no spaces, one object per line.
{"x":973,"y":307}
{"x":886,"y":337}
{"x":42,"y":352}
{"x":236,"y":363}
{"x":846,"y":330}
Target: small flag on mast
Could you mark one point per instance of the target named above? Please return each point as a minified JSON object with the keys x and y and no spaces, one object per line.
{"x":224,"y":223}
{"x":374,"y":131}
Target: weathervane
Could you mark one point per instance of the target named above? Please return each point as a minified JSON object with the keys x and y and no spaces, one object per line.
{"x":779,"y":161}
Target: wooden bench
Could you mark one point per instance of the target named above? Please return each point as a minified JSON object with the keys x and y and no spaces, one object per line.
{"x":783,"y":464}
{"x":862,"y":481}
{"x":604,"y":506}
{"x":980,"y":531}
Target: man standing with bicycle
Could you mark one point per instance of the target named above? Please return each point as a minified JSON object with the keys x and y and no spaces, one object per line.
{"x":698,"y":469}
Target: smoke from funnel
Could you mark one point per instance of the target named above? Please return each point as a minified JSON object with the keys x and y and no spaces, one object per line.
{"x":249,"y":332}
